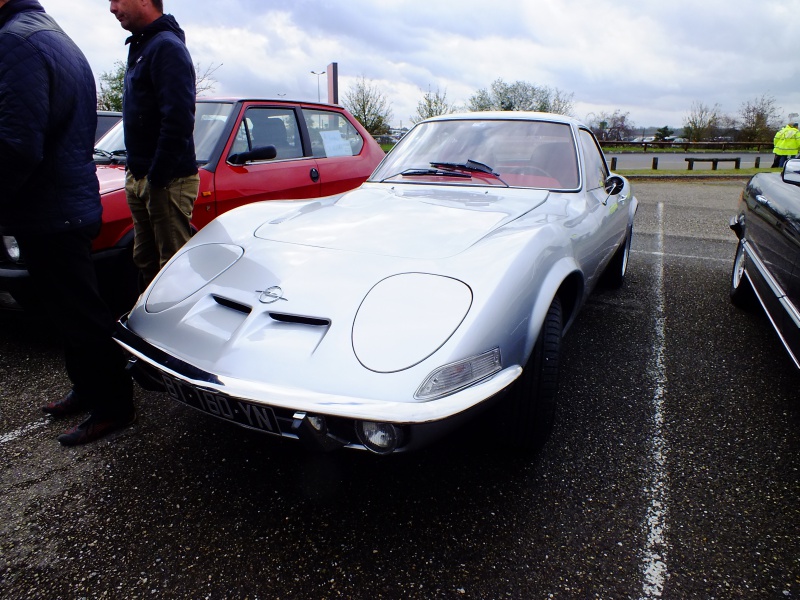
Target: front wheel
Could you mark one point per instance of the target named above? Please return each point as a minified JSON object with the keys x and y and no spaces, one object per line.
{"x":741,"y":292}
{"x":532,"y":404}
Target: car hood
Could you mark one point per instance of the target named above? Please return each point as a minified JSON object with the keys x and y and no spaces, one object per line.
{"x":419,"y":222}
{"x":111,"y":178}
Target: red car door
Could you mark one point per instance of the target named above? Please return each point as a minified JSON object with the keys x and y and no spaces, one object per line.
{"x":290,"y":175}
{"x":346,"y":154}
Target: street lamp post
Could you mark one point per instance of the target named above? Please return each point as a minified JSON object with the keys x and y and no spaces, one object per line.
{"x":320,"y":74}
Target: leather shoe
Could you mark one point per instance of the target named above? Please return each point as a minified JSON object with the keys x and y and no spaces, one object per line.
{"x":94,"y":428}
{"x":71,"y":404}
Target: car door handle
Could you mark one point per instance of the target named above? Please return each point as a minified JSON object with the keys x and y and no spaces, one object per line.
{"x":314,"y":173}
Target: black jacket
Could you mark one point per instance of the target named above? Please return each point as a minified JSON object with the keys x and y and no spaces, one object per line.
{"x":48,"y":116}
{"x":158,"y":104}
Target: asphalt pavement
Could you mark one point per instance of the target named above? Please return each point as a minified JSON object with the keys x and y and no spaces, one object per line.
{"x":673,"y":470}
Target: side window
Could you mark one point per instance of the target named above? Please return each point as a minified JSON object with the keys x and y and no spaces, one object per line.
{"x":269,"y":127}
{"x":596,"y":171}
{"x":332,"y":134}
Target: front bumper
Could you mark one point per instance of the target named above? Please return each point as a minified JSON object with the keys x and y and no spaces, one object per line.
{"x":422,"y":422}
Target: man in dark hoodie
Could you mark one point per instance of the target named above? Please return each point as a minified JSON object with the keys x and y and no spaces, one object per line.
{"x":50,"y":202}
{"x":158,"y":114}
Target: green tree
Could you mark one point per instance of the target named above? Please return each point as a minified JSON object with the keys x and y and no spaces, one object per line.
{"x":369,"y":106}
{"x":521,"y":95}
{"x":663,"y":133}
{"x":432,"y":104}
{"x":112,"y":83}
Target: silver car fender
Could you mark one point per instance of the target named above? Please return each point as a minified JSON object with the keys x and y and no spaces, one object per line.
{"x":552,"y":283}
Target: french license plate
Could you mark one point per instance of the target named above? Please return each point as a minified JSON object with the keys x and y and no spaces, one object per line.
{"x":244,"y":413}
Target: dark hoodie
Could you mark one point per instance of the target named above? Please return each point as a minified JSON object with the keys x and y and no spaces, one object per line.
{"x":48,"y":118}
{"x":159,"y":103}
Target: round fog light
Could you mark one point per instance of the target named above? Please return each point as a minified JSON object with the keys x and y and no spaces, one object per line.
{"x":381,"y":438}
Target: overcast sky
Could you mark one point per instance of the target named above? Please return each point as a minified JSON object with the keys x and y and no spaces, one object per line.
{"x":649,"y":58}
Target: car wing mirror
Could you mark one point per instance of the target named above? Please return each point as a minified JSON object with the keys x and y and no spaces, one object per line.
{"x":260,"y":153}
{"x":613,"y":185}
{"x":791,"y":172}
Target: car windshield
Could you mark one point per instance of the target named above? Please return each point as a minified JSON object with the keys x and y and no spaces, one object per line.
{"x":209,"y":123}
{"x":513,"y":152}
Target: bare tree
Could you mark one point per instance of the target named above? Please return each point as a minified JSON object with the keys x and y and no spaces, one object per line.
{"x":432,"y":104}
{"x":702,"y":122}
{"x":614,"y":126}
{"x":369,"y":106}
{"x":521,"y":95}
{"x":204,"y":82}
{"x":758,"y":119}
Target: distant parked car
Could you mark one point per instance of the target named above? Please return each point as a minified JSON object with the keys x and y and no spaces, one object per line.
{"x":383,"y":317}
{"x":765,"y":270}
{"x":106,"y":119}
{"x":247,"y":150}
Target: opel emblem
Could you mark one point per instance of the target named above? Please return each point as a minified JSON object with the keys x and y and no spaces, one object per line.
{"x":270,"y":295}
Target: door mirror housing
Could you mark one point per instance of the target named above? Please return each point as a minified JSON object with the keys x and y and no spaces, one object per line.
{"x":259,"y":153}
{"x":614,"y":185}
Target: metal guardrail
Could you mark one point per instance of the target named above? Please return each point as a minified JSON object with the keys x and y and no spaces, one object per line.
{"x":692,"y":146}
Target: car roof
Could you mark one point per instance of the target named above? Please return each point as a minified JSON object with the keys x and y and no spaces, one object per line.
{"x":507,"y":115}
{"x":231,"y":99}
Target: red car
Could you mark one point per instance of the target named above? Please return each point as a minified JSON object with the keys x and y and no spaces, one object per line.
{"x":247,"y":151}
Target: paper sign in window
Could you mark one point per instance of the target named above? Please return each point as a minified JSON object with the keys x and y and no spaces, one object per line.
{"x":335,"y":144}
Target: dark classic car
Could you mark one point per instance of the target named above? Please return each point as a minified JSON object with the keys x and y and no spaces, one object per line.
{"x":766,"y":269}
{"x":321,"y":150}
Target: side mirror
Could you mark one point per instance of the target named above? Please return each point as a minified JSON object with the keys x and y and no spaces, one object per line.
{"x":614,"y":185}
{"x":791,"y":172}
{"x":260,"y":153}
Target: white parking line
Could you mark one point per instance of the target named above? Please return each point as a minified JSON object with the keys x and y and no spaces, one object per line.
{"x":18,"y":433}
{"x":689,"y":256}
{"x":654,"y":565}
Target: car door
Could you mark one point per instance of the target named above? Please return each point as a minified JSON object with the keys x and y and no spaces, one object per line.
{"x":766,"y":229}
{"x":292,"y":174}
{"x":608,"y":212}
{"x":337,"y":146}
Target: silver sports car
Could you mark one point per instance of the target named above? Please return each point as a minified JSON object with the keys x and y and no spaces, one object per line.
{"x":382,"y":317}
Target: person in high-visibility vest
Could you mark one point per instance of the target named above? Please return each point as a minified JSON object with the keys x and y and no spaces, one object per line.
{"x":786,"y":144}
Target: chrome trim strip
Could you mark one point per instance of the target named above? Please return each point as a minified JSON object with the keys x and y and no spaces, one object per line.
{"x":297,"y":399}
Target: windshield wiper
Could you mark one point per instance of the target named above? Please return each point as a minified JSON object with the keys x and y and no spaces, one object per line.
{"x":470,"y":165}
{"x":427,"y":172}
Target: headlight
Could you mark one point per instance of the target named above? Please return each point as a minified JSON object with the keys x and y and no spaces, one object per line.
{"x":189,"y":272}
{"x":11,"y":247}
{"x":456,"y":376}
{"x":406,"y":318}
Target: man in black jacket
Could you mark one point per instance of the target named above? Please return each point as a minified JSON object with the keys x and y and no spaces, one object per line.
{"x":158,"y":114}
{"x":50,"y":202}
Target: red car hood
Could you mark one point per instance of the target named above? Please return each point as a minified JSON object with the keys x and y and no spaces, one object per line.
{"x":111,"y":178}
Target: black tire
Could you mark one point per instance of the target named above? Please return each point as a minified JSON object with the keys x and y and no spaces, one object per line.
{"x":614,"y":275}
{"x":532,"y":403}
{"x":741,"y":292}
